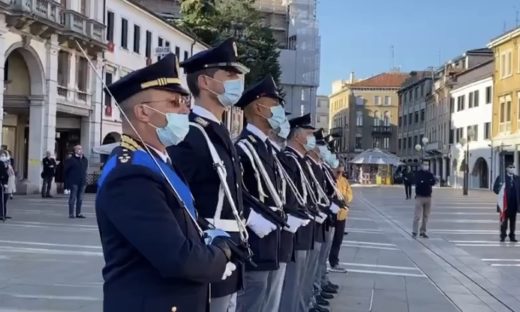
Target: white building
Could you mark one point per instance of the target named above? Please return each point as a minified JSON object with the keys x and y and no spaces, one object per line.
{"x":133,"y":34}
{"x":320,"y":119}
{"x":471,"y":108}
{"x":50,"y":98}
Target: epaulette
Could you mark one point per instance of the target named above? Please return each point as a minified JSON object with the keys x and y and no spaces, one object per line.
{"x":125,"y":156}
{"x":201,"y":121}
{"x":252,"y":138}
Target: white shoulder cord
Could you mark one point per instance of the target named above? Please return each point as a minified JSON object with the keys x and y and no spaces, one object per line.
{"x":323,"y":198}
{"x":302,"y":175}
{"x":301,"y":200}
{"x":221,"y":172}
{"x":261,"y":193}
{"x":334,"y":185}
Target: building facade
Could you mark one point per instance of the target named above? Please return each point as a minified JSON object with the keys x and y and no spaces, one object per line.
{"x":321,"y":116}
{"x":133,"y":34}
{"x":51,"y":98}
{"x":472,"y":96}
{"x":506,"y":99}
{"x":439,"y":150}
{"x":412,"y":116}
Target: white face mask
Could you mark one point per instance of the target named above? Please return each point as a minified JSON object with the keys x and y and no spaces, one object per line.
{"x":425,"y":167}
{"x":233,"y":90}
{"x":176,"y":129}
{"x":510,"y":170}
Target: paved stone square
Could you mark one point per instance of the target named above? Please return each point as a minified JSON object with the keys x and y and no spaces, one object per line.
{"x":51,"y":263}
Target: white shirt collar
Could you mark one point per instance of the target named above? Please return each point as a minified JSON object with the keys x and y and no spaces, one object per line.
{"x":256,"y":131}
{"x":275,"y":145}
{"x":296,"y":151}
{"x":202,"y":112}
{"x":162,"y":155}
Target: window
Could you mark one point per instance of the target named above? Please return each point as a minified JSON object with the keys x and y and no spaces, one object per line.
{"x":360,"y":101}
{"x":388,"y":100}
{"x":416,"y":114}
{"x":415,"y":140}
{"x":160,"y":41}
{"x":358,"y":142}
{"x":185,"y":55}
{"x":82,"y":74}
{"x":124,"y":33}
{"x":386,"y":143}
{"x":452,"y":104}
{"x":400,"y":121}
{"x":137,"y":39}
{"x":488,"y":95}
{"x":475,"y":133}
{"x":505,"y":113}
{"x":505,"y":64}
{"x":460,"y":103}
{"x":410,"y":118}
{"x":377,"y":100}
{"x":416,"y":93}
{"x":475,"y":98}
{"x":470,"y":100}
{"x":63,"y":69}
{"x":108,"y":98}
{"x":422,"y":90}
{"x":359,"y":118}
{"x":148,"y":51}
{"x":83,"y":7}
{"x":451,"y":136}
{"x":178,"y":52}
{"x":422,"y":115}
{"x":376,"y":118}
{"x":487,"y":131}
{"x":404,"y":120}
{"x":110,"y":26}
{"x":410,"y":142}
{"x":167,"y":43}
{"x":399,"y":144}
{"x":387,"y":118}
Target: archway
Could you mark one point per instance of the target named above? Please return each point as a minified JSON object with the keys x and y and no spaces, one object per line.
{"x":112,"y":137}
{"x":480,"y":174}
{"x":24,"y":85}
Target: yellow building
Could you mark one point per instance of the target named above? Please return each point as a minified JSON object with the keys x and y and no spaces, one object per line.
{"x":506,"y":98}
{"x":339,"y":113}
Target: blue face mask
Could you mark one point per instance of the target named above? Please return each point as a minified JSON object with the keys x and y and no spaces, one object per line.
{"x":233,"y":90}
{"x":277,"y":117}
{"x":176,"y":129}
{"x":324,"y":152}
{"x":284,"y":129}
{"x":332,"y":160}
{"x":311,"y":143}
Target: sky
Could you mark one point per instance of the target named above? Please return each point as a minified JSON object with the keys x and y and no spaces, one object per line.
{"x":357,"y":36}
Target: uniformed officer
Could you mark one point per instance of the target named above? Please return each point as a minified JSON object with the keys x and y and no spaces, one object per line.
{"x":265,"y":210}
{"x":156,"y":258}
{"x":209,"y":159}
{"x":300,"y":141}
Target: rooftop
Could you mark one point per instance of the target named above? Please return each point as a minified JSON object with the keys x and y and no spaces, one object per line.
{"x":384,"y":80}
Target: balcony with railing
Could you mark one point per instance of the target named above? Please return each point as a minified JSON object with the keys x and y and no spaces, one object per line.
{"x":75,"y":22}
{"x":382,"y":131}
{"x":43,"y":16}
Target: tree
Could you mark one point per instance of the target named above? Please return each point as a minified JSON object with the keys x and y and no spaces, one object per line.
{"x":215,"y":20}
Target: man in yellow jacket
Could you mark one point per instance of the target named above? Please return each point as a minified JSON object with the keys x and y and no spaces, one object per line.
{"x":341,"y":217}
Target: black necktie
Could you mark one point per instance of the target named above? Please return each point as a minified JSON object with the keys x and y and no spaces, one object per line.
{"x":269,"y":147}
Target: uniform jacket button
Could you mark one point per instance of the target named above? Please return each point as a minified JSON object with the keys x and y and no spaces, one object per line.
{"x":174,"y":309}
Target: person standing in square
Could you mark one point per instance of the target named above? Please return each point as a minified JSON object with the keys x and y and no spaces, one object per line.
{"x":76,"y":178}
{"x":508,"y":189}
{"x":48,"y":173}
{"x":424,"y":181}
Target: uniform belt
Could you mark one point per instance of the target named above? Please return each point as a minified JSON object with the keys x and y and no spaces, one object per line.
{"x":225,"y":225}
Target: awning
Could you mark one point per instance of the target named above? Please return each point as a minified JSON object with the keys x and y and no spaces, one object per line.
{"x":376,"y":157}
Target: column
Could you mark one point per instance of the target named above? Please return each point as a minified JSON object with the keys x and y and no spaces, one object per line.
{"x":36,"y":147}
{"x":91,"y":126}
{"x":51,"y":75}
{"x":3,"y":31}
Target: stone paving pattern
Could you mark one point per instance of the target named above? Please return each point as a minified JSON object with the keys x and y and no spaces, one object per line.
{"x":51,"y":263}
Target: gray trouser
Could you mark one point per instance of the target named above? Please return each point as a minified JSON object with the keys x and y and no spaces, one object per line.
{"x":292,"y":286}
{"x":422,"y":208}
{"x":252,"y":297}
{"x":310,"y":274}
{"x":76,"y":198}
{"x":224,"y":304}
{"x":322,"y":278}
{"x":274,"y":291}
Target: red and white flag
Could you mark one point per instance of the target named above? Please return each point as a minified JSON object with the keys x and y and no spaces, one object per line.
{"x":502,"y":202}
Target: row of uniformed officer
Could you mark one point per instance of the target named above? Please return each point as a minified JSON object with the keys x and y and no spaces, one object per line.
{"x":154,"y":212}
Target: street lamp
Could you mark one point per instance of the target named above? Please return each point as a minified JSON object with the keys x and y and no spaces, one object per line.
{"x":421,"y":148}
{"x":466,"y":141}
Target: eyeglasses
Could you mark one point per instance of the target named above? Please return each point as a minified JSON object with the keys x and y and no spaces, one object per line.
{"x":182,"y":100}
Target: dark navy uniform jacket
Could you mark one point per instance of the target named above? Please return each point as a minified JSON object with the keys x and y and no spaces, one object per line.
{"x":155,"y":257}
{"x":304,"y":237}
{"x":197,"y":167}
{"x":265,"y":250}
{"x":319,"y":231}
